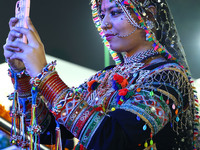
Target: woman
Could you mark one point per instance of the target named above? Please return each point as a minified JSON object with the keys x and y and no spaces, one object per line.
{"x":145,"y":102}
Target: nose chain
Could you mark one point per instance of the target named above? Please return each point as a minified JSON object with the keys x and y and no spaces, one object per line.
{"x":122,"y":36}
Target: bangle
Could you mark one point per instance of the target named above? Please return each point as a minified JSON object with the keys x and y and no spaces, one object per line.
{"x":52,"y":87}
{"x":23,"y":86}
{"x":35,"y":81}
{"x":49,"y":83}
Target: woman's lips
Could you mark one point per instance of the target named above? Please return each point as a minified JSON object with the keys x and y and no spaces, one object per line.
{"x":109,"y":36}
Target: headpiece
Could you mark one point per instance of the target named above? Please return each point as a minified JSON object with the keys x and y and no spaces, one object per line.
{"x":166,"y":41}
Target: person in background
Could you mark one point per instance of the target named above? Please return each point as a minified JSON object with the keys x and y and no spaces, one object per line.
{"x":146,"y":101}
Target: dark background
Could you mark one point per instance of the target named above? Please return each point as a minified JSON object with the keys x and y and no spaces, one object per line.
{"x":67,"y":30}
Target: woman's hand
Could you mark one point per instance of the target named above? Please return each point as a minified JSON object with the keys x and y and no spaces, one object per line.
{"x":16,"y":64}
{"x":32,"y":54}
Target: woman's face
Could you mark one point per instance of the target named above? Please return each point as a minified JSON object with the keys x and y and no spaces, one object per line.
{"x":115,"y":25}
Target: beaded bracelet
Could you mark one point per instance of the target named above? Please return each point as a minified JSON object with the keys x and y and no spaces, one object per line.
{"x":35,"y":81}
{"x":18,"y":74}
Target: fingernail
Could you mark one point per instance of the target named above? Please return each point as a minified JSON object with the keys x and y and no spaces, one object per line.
{"x":19,"y":34}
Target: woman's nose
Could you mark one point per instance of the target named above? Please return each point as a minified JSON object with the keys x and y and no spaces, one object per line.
{"x":106,"y":23}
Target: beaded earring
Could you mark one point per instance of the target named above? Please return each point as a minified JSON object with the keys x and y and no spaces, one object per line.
{"x":150,"y":24}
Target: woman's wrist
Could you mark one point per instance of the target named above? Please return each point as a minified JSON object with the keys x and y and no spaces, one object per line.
{"x":51,"y":86}
{"x":19,"y":74}
{"x":35,"y":81}
{"x":23,"y":85}
{"x":49,"y":83}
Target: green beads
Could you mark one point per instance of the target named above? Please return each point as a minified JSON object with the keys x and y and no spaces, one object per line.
{"x":33,"y":88}
{"x":151,"y":93}
{"x":151,"y":142}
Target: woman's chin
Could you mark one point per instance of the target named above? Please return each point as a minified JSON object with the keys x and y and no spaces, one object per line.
{"x":116,"y":49}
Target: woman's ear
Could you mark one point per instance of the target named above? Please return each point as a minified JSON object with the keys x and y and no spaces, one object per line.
{"x":152,"y":9}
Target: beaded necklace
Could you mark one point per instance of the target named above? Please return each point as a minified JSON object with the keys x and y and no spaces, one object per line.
{"x":117,"y":82}
{"x":107,"y":82}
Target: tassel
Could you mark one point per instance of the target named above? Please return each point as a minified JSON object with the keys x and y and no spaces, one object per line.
{"x":58,"y":137}
{"x":14,"y":114}
{"x":34,"y":129}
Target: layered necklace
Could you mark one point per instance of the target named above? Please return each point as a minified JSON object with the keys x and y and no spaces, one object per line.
{"x":105,"y":80}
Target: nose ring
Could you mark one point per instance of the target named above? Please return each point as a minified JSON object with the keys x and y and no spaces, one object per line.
{"x":106,"y":24}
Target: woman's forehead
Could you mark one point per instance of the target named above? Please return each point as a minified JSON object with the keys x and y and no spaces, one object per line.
{"x":107,"y":5}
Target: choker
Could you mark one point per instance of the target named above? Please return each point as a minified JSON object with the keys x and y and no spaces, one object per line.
{"x":140,"y":57}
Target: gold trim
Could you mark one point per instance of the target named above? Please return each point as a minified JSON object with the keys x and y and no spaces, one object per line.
{"x":168,"y":95}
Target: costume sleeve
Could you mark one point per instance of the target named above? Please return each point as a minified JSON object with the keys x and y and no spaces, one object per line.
{"x":159,"y":98}
{"x":153,"y":99}
{"x":44,"y":117}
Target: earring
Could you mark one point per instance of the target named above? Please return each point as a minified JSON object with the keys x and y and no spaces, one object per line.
{"x":150,"y":24}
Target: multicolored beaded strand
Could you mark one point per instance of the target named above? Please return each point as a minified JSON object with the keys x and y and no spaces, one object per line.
{"x":97,"y":21}
{"x":18,"y":130}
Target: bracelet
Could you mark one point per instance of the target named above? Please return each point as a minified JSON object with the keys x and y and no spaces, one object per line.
{"x":18,"y":74}
{"x":23,"y":86}
{"x":49,"y":84}
{"x":52,"y":87}
{"x":35,"y":81}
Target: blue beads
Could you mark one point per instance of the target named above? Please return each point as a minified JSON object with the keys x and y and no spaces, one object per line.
{"x":177,"y":119}
{"x":138,"y":118}
{"x":144,"y":127}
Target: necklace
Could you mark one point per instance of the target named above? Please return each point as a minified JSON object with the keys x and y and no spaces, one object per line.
{"x":126,"y":70}
{"x":140,"y":57}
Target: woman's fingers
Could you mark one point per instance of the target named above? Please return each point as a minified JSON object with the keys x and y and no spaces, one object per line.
{"x":13,"y":35}
{"x":17,"y":46}
{"x":13,"y":21}
{"x":32,"y":40}
{"x":32,"y":28}
{"x":9,"y":50}
{"x":31,"y":54}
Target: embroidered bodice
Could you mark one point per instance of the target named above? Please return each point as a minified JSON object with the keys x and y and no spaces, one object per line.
{"x":156,"y":94}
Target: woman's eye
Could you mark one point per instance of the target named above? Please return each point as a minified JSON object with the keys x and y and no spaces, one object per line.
{"x":115,"y":13}
{"x":101,"y":16}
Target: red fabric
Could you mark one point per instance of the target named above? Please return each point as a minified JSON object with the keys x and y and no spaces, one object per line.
{"x":118,"y":78}
{"x":123,"y":92}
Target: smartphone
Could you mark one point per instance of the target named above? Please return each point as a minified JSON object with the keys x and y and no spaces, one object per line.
{"x":22,"y":10}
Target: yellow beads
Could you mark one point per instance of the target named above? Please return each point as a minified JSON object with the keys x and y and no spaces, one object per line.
{"x":160,"y":50}
{"x":114,"y":54}
{"x":99,"y":28}
{"x":113,"y":109}
{"x":145,"y":144}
